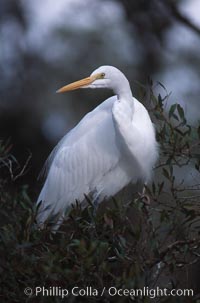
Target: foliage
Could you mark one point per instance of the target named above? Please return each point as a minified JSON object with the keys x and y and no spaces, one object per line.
{"x":126,"y":244}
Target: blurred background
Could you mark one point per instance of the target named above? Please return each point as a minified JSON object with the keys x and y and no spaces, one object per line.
{"x":46,"y":44}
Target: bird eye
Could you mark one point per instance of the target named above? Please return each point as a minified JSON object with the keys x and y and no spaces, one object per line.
{"x":103,"y":75}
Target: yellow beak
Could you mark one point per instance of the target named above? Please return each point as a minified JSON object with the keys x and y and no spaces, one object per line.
{"x":78,"y":84}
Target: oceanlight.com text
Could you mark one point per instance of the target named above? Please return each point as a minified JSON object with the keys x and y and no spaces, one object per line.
{"x":57,"y":291}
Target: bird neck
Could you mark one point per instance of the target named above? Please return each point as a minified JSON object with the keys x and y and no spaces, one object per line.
{"x":124,"y":93}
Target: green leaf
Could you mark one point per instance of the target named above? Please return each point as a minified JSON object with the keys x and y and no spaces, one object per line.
{"x":166,"y":173}
{"x":160,"y":187}
{"x":160,"y":101}
{"x":175,"y":117}
{"x":198,"y":131}
{"x":159,"y":116}
{"x":172,"y":110}
{"x":180,"y":112}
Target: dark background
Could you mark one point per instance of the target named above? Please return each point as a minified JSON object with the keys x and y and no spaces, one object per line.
{"x":46,"y":44}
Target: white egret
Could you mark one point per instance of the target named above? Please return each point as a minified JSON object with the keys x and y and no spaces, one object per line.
{"x":112,"y":146}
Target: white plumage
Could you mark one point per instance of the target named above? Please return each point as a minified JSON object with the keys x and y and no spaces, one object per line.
{"x":112,"y":146}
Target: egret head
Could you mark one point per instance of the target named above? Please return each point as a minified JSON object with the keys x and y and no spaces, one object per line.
{"x":103,"y":77}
